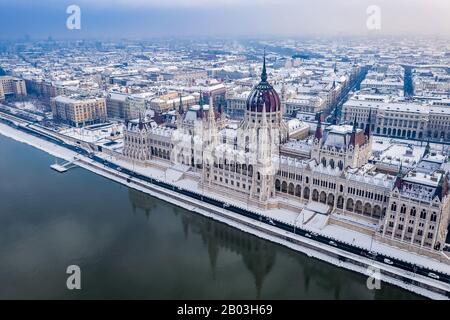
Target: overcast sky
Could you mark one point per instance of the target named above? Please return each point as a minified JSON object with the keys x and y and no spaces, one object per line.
{"x":148,"y":18}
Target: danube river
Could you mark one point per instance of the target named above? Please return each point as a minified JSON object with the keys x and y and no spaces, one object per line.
{"x":131,"y":245}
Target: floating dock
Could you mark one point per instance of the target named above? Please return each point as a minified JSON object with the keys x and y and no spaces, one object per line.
{"x":63,"y":167}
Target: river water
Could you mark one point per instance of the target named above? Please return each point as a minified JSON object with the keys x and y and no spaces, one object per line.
{"x":131,"y":245}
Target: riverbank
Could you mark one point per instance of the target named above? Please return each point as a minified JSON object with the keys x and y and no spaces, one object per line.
{"x":263,"y":230}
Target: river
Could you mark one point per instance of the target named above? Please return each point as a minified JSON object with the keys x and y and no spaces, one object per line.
{"x":130,"y":245}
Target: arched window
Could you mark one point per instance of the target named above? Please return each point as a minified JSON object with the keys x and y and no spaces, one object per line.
{"x":412,"y":212}
{"x":332,"y":164}
{"x":306,"y":193}
{"x":340,"y":202}
{"x":298,"y":191}
{"x":324,"y":162}
{"x":340,"y":165}
{"x":250,"y":170}
{"x":330,"y":199}
{"x":291,"y":189}
{"x":358,"y":207}
{"x":403,"y":209}
{"x":394,"y":207}
{"x":423,"y":214}
{"x":315,"y":195}
{"x":323,"y":197}
{"x":277,"y":185}
{"x":433,"y":217}
{"x":350,"y":204}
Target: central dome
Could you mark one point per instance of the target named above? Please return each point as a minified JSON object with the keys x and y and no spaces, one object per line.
{"x":263,"y":94}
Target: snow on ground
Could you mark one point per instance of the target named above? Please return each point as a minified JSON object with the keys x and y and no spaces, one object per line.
{"x":43,"y":145}
{"x":93,"y":134}
{"x":27,"y":105}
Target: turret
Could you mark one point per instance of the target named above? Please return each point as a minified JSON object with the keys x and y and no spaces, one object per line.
{"x":318,"y":134}
{"x":427,"y":148}
{"x":353,"y":135}
{"x":398,"y":180}
{"x":367,"y":129}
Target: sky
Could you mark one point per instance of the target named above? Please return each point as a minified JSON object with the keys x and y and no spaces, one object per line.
{"x":140,"y":19}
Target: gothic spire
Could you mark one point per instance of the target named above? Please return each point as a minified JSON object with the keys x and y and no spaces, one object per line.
{"x":318,"y":134}
{"x":353,"y":135}
{"x":398,"y":180}
{"x":427,"y":148}
{"x":369,"y":120}
{"x":264,"y":72}
{"x":180,"y":107}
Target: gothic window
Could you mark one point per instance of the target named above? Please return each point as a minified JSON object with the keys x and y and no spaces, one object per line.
{"x":423,"y":214}
{"x":332,"y":164}
{"x":403,"y":209}
{"x":433,"y":217}
{"x":306,"y":193}
{"x":277,"y":185}
{"x":350,"y":204}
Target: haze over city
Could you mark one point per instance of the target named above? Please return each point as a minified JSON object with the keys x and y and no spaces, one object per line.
{"x":155,"y":18}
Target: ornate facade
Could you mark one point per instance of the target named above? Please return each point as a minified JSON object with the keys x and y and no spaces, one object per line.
{"x":245,"y":163}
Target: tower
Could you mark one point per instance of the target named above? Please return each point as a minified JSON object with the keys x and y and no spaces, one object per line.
{"x":180,"y":113}
{"x":318,"y":134}
{"x":368,"y":124}
{"x":262,"y":97}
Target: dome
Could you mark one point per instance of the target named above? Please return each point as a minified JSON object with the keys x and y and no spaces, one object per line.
{"x":263,"y":94}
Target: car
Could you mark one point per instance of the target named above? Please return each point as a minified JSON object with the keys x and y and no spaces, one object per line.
{"x":433,"y":275}
{"x":308,"y":235}
{"x":119,"y":169}
{"x":333,"y":243}
{"x":226,"y":205}
{"x":387,"y":261}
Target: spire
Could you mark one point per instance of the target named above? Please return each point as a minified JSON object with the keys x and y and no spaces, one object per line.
{"x":399,"y":173}
{"x":180,"y":107}
{"x":427,"y":148}
{"x":353,"y":135}
{"x":211,"y":108}
{"x":318,"y":134}
{"x":200,"y":100}
{"x":354,"y":126}
{"x":369,"y":120}
{"x":398,"y":180}
{"x":335,"y":116}
{"x":200,"y":103}
{"x":264,"y":72}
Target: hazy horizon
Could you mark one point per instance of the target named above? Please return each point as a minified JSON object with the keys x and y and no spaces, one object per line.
{"x":223,"y":18}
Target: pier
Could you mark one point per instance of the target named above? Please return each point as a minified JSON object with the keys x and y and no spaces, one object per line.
{"x":61,"y":168}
